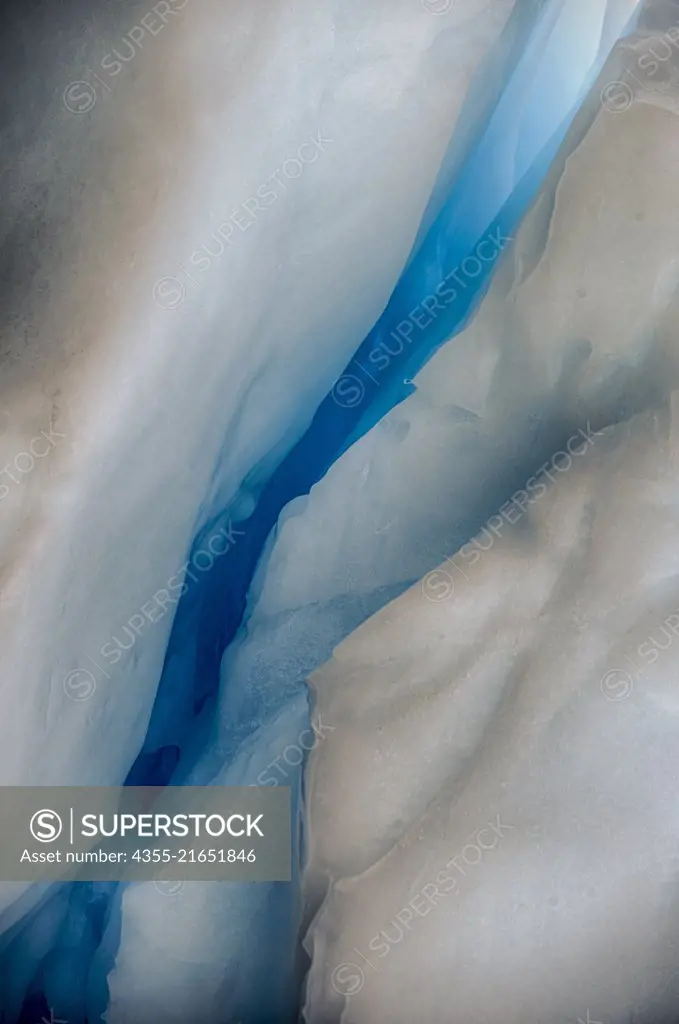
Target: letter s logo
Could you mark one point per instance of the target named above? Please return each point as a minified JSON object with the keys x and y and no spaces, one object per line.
{"x":46,"y":826}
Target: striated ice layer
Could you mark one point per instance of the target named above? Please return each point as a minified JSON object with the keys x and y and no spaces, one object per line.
{"x":135,"y":390}
{"x":491,"y":827}
{"x":577,"y":325}
{"x":189,"y":223}
{"x":556,"y":67}
{"x":391,"y":508}
{"x":492,"y":821}
{"x":205,"y":953}
{"x":169,"y":370}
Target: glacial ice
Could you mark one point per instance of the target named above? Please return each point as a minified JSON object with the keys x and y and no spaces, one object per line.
{"x":303,"y":605}
{"x":137,"y":399}
{"x":505,"y":744}
{"x":180,"y":381}
{"x":168,"y":422}
{"x":496,"y":694}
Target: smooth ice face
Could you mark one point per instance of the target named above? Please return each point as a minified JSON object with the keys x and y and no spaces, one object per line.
{"x":207,"y":283}
{"x":194,"y":293}
{"x":300,"y":610}
{"x":210,"y":951}
{"x":577,"y":327}
{"x":160,"y":338}
{"x":495,"y":808}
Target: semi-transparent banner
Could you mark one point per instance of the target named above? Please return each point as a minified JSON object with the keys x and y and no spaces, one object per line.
{"x":144,"y":833}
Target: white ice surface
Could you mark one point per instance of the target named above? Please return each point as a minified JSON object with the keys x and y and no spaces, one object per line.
{"x":577,"y":326}
{"x":538,"y":696}
{"x":534,"y":679}
{"x":142,"y":397}
{"x":203,"y":953}
{"x":406,"y":492}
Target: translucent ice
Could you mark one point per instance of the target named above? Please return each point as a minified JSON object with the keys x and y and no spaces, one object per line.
{"x":301,"y":608}
{"x":209,"y":234}
{"x":183,"y":218}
